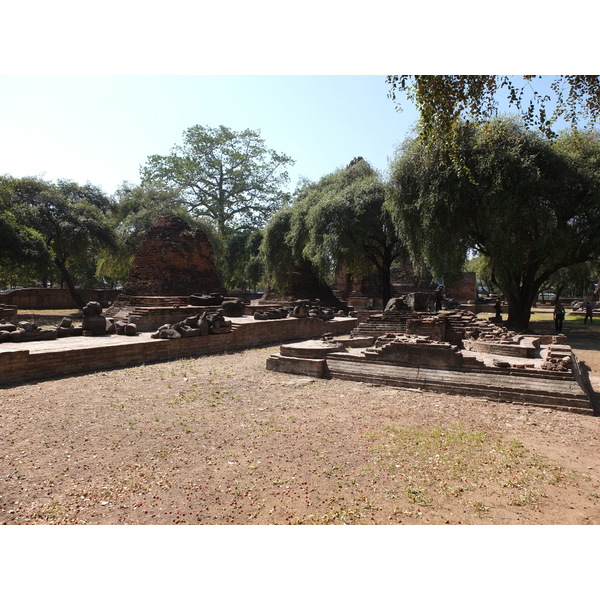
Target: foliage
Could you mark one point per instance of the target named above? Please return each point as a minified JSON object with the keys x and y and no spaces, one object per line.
{"x":480,"y":265}
{"x":226,"y":176}
{"x":340,"y":223}
{"x":574,"y":281}
{"x":444,"y":100}
{"x":530,"y":205}
{"x":243,"y":262}
{"x":279,"y":251}
{"x":68,"y":222}
{"x":22,"y":249}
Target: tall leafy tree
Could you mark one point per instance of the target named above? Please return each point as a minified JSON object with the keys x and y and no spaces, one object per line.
{"x":348,"y":226}
{"x":22,"y":249}
{"x":338,"y":223}
{"x":530,"y":205}
{"x":229,"y":177}
{"x":71,"y":220}
{"x":243,"y":261}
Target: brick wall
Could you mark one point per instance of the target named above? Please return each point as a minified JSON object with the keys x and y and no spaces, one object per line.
{"x":42,"y":299}
{"x":17,"y":366}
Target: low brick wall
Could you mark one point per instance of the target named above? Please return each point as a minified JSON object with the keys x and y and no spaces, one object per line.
{"x":17,"y":365}
{"x":42,"y":299}
{"x":8,"y":312}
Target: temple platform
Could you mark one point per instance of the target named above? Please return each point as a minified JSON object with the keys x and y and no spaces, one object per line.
{"x":28,"y":361}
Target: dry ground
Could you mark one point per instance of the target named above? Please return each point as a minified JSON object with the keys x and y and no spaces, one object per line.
{"x":220,"y":439}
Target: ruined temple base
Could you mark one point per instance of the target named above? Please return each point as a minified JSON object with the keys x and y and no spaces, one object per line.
{"x":148,"y":313}
{"x":25,"y":361}
{"x":450,"y":371}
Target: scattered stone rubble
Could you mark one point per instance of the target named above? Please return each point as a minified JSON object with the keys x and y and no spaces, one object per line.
{"x":199,"y":325}
{"x":301,"y":309}
{"x":93,"y":323}
{"x":25,"y":331}
{"x":452,"y":352}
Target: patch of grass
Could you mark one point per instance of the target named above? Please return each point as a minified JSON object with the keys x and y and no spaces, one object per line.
{"x":270,"y":426}
{"x":418,"y":496}
{"x":224,"y":372}
{"x":429,"y":465}
{"x":50,"y":513}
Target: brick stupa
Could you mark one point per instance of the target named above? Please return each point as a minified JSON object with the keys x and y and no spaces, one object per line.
{"x":173,"y":260}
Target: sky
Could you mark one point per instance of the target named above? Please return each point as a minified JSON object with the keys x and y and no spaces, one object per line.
{"x":101,"y":128}
{"x":88,"y":92}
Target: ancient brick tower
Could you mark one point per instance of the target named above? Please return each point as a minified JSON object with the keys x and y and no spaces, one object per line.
{"x":173,"y":260}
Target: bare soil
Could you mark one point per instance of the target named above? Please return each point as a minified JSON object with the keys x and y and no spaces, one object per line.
{"x":221,"y":440}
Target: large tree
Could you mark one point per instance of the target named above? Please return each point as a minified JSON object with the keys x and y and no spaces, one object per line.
{"x":531,"y":205}
{"x":244,"y":265}
{"x":286,"y":269}
{"x":22,"y":249}
{"x":340,"y":223}
{"x":69,"y":219}
{"x":227,"y":176}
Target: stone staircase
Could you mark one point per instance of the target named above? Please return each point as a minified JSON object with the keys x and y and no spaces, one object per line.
{"x":379,"y":324}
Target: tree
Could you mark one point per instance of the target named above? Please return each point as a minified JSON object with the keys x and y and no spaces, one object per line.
{"x":340,"y":223}
{"x":22,"y":249}
{"x":444,"y":100}
{"x":480,"y":265}
{"x":226,"y":176}
{"x":574,"y":281}
{"x":243,"y":261}
{"x":71,"y":221}
{"x":530,"y":205}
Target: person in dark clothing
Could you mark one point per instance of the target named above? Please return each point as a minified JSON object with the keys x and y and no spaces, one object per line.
{"x":559,"y":316}
{"x":498,"y":307}
{"x":589,"y":312}
{"x":439,"y":296}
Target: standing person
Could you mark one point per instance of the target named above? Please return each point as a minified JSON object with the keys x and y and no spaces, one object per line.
{"x":439,"y":296}
{"x":589,"y":312}
{"x":498,"y":307}
{"x":559,"y":316}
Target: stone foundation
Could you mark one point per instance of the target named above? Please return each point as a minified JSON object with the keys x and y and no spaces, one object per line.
{"x":66,"y":356}
{"x":461,"y":355}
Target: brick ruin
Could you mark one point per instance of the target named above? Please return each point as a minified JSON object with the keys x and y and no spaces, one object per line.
{"x":174,"y":290}
{"x":451,"y":352}
{"x":173,"y":260}
{"x":8,"y":312}
{"x":356,"y":290}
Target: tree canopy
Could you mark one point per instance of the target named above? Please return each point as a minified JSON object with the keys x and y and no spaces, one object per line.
{"x":531,"y":205}
{"x":67,"y":222}
{"x":229,"y":177}
{"x":444,"y":100}
{"x":339,"y":223}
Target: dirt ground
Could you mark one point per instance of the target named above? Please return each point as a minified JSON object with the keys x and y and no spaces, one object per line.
{"x":221,"y":440}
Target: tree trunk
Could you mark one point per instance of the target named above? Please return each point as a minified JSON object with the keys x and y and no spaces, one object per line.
{"x":386,"y":286}
{"x":70,"y":284}
{"x":519,"y":306}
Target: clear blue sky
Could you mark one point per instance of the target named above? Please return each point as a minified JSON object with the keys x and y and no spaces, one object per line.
{"x":101,"y":129}
{"x":88,"y":92}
